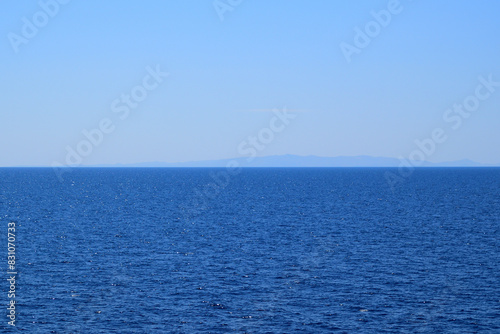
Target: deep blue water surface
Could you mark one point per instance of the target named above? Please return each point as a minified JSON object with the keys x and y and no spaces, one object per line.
{"x":265,"y":251}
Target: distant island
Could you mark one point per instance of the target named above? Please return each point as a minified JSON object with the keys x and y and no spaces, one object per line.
{"x":302,"y":161}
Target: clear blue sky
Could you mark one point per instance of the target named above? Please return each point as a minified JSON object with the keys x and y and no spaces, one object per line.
{"x":226,"y":75}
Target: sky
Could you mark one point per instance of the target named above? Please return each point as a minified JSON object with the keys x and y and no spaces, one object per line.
{"x":105,"y":82}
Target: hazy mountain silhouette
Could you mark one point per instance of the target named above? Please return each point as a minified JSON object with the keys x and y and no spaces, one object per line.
{"x":302,"y":161}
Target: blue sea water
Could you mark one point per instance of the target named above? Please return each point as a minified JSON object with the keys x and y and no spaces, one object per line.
{"x":305,"y":250}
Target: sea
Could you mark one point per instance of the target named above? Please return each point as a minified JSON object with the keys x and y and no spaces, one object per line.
{"x":255,"y":250}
